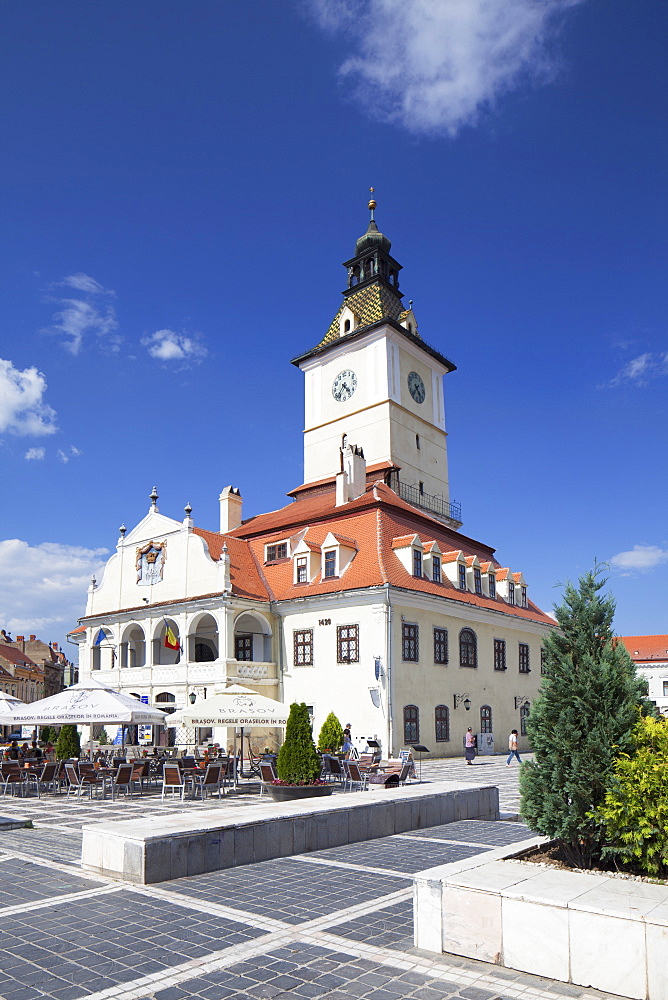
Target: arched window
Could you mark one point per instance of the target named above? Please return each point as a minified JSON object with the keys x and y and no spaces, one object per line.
{"x":346,"y":326}
{"x":442,"y":719}
{"x":166,"y":701}
{"x":203,"y":653}
{"x":486,"y":719}
{"x":525,"y":711}
{"x":468,"y":648}
{"x":411,"y":724}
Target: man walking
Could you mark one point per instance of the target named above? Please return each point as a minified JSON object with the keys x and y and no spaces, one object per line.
{"x":512,"y":747}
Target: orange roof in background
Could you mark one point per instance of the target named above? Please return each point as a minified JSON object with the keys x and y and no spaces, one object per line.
{"x":646,"y":647}
{"x":74,"y":631}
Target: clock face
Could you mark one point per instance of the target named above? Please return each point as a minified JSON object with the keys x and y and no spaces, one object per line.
{"x":416,"y":387}
{"x":344,"y":385}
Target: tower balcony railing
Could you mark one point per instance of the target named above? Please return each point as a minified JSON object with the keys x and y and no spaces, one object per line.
{"x":451,"y":512}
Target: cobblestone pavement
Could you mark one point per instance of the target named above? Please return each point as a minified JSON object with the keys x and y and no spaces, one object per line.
{"x":334,"y":924}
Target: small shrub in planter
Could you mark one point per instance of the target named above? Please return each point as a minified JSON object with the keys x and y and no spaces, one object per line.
{"x":635,"y":811}
{"x":331,"y":734}
{"x":68,"y":743}
{"x":298,"y":762}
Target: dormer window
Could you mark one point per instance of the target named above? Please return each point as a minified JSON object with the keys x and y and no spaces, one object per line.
{"x":477,"y":579}
{"x":279,"y":550}
{"x":511,"y":593}
{"x":525,"y":603}
{"x":492,"y":585}
{"x":330,"y":564}
{"x":417,"y":563}
{"x":346,"y":326}
{"x":462,"y":576}
{"x":436,"y":569}
{"x":301,"y":570}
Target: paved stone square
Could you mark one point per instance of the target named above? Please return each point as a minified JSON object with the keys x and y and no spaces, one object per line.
{"x":335,"y":924}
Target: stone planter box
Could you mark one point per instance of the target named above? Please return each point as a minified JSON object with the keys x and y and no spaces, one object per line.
{"x":288,"y":793}
{"x":585,"y":928}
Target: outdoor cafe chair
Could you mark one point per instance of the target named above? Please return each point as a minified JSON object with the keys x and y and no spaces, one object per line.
{"x":173,"y":781}
{"x":332,"y":769}
{"x":354,"y":778}
{"x":48,"y":778}
{"x":267,"y":774}
{"x":122,"y":781}
{"x":140,"y":774}
{"x":206,"y":781}
{"x":13,"y":777}
{"x":86,"y":779}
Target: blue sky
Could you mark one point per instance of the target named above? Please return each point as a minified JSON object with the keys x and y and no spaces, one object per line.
{"x":180,"y":185}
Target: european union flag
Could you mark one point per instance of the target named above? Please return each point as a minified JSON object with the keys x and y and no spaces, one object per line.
{"x":101,"y":636}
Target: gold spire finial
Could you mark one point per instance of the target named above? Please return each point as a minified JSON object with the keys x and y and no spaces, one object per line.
{"x":372,"y":203}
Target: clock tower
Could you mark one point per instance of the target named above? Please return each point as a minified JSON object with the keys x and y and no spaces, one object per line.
{"x":374,"y":381}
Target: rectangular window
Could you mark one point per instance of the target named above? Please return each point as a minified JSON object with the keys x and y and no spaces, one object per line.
{"x":410,"y":643}
{"x":511,"y":593}
{"x":330,"y":563}
{"x":348,"y":644}
{"x":462,"y":576}
{"x":442,"y":719}
{"x":499,"y":654}
{"x":492,"y":584}
{"x":303,"y":647}
{"x":417,"y":563}
{"x":440,"y":645}
{"x":243,"y":647}
{"x":524,"y":658}
{"x":301,"y":569}
{"x":436,"y":569}
{"x":478,"y":581}
{"x":543,"y":661}
{"x":525,"y":603}
{"x":278,"y":551}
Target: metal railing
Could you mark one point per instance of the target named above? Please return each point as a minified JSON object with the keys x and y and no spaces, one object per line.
{"x":451,"y":511}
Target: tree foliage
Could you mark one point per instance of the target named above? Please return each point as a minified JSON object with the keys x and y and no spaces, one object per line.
{"x":582,"y":719}
{"x":298,"y":762}
{"x":68,"y":743}
{"x":635,"y":812}
{"x":331,"y":734}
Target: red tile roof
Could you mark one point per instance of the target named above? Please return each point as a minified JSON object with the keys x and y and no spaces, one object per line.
{"x":14,"y":655}
{"x":646,"y":647}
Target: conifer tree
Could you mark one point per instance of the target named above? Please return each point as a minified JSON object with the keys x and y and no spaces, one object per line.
{"x":68,"y":743}
{"x":331,"y":734}
{"x":298,"y":762}
{"x":582,"y":719}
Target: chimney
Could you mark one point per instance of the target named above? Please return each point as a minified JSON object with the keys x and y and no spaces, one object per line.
{"x":32,"y":638}
{"x":55,"y":645}
{"x":230,"y":509}
{"x":351,"y":480}
{"x":20,"y":638}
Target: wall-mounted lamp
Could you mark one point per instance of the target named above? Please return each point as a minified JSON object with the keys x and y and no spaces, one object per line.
{"x":520,"y":700}
{"x":192,"y":697}
{"x":459,"y":698}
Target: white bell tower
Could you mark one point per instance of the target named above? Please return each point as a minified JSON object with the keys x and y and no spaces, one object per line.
{"x":373,"y":379}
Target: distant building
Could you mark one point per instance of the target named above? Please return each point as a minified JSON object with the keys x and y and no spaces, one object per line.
{"x":361,"y":596}
{"x":650,"y":655}
{"x":39,"y":667}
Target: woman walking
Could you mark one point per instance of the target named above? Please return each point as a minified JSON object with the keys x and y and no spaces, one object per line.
{"x":469,"y":746}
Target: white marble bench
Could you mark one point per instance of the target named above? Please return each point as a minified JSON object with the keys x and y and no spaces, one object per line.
{"x":585,"y":928}
{"x":155,"y":849}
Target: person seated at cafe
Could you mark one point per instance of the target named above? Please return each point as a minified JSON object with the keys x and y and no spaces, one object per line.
{"x":24,"y":752}
{"x":13,"y":753}
{"x":35,"y":750}
{"x":49,"y":751}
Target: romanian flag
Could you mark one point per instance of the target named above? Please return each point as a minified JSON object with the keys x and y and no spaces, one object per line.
{"x":171,"y":642}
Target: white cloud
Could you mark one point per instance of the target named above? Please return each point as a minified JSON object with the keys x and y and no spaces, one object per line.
{"x":35,"y":453}
{"x":642,"y":369}
{"x":434,"y":66}
{"x":78,"y":318}
{"x":65,"y":456}
{"x":22,"y":406}
{"x":43,"y":587}
{"x":84,"y":283}
{"x":639,"y":559}
{"x":166,"y":345}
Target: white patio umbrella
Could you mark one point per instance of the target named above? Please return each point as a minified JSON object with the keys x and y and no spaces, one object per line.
{"x":8,"y":705}
{"x":236,"y":706}
{"x":85,"y":703}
